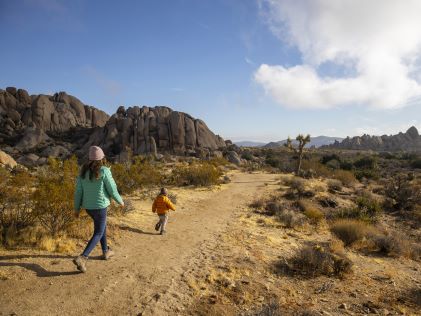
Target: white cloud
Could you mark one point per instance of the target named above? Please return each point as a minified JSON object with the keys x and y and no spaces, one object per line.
{"x":379,"y":41}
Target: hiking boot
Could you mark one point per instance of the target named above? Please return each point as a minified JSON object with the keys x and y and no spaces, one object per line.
{"x":80,"y":262}
{"x":108,"y":254}
{"x":163,"y":232}
{"x":157,"y":226}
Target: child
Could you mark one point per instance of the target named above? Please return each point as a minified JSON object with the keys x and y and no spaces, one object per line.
{"x":161,"y":206}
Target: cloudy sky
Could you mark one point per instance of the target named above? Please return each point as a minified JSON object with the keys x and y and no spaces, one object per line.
{"x":251,"y":69}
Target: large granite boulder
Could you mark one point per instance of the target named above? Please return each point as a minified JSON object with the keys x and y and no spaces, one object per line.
{"x":29,"y":124}
{"x":57,"y":113}
{"x":149,"y":130}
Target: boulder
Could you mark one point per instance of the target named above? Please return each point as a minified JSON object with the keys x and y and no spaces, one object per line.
{"x":29,"y":160}
{"x":31,"y":139}
{"x":7,"y":160}
{"x":55,"y":152}
{"x":233,"y":157}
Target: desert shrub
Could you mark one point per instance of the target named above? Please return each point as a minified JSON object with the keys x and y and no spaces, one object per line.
{"x":367,"y":162}
{"x":368,"y":205}
{"x":16,"y":207}
{"x":198,"y":174}
{"x":311,"y":211}
{"x":329,"y":157}
{"x":367,"y":174}
{"x":416,"y":163}
{"x":218,"y":161}
{"x":350,"y":231}
{"x":320,"y":260}
{"x":334,"y":185}
{"x":395,"y":245}
{"x":247,"y":155}
{"x":134,"y":175}
{"x":346,"y":165}
{"x":346,"y":177}
{"x":297,"y":186}
{"x":319,"y":169}
{"x":53,"y":197}
{"x":271,"y":309}
{"x":258,"y":203}
{"x":402,"y":194}
{"x":327,"y":201}
{"x":291,"y":219}
{"x":273,"y":207}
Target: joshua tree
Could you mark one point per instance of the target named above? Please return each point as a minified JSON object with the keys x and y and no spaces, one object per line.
{"x":302,"y":141}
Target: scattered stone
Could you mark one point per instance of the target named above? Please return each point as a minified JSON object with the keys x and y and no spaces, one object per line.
{"x":343,"y":306}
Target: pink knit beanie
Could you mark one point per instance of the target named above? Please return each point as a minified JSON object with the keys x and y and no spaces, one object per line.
{"x":95,"y":153}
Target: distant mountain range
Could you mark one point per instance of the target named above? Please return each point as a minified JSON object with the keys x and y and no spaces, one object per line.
{"x":408,"y":141}
{"x":317,"y":141}
{"x":248,"y":143}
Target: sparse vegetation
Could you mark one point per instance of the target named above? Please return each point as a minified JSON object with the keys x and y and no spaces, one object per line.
{"x":313,"y":213}
{"x":198,"y":174}
{"x":351,"y":231}
{"x":321,"y":260}
{"x":299,"y":150}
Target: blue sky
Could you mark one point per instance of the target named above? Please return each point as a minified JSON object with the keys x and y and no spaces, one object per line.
{"x":251,"y":69}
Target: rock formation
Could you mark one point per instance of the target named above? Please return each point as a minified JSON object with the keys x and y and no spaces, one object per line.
{"x":33,"y":128}
{"x":408,"y":141}
{"x":147,"y":130}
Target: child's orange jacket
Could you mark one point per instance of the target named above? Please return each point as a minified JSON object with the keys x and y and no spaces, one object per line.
{"x":162,"y":205}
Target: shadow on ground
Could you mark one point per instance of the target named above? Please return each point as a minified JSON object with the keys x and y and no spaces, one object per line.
{"x":40,"y":271}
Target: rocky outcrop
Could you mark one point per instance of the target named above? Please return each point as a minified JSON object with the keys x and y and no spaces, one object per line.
{"x":31,"y":118}
{"x":149,"y":130}
{"x":408,"y":141}
{"x":33,"y":128}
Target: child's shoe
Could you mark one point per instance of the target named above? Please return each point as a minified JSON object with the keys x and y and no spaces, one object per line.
{"x":163,"y":232}
{"x":157,"y":226}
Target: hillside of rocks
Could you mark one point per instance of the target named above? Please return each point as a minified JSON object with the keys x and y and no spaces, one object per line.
{"x":408,"y":141}
{"x":35,"y":127}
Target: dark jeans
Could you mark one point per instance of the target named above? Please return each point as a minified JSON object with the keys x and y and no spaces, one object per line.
{"x":100,"y":231}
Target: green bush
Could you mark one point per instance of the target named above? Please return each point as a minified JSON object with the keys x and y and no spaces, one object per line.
{"x":198,"y":174}
{"x":402,"y":194}
{"x":16,"y":205}
{"x":53,"y":197}
{"x":368,"y":162}
{"x":134,"y":175}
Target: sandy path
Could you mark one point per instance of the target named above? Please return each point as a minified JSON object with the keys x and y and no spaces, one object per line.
{"x":144,"y":278}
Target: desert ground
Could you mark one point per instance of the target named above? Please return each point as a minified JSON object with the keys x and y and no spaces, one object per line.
{"x":220,"y":257}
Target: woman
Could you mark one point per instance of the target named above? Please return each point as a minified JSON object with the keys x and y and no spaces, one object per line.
{"x":94,"y":188}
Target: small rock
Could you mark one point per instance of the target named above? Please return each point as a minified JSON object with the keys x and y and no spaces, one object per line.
{"x":343,"y":306}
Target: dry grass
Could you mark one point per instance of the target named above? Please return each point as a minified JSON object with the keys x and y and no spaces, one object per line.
{"x":351,"y":231}
{"x":59,"y":244}
{"x":315,"y":260}
{"x":346,"y":177}
{"x":291,"y":219}
{"x":313,"y":213}
{"x":334,"y":185}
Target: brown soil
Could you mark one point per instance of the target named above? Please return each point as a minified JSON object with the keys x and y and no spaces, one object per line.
{"x":146,"y":275}
{"x":218,"y":258}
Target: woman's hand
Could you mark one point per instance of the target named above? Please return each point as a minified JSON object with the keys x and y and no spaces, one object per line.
{"x":122,"y":204}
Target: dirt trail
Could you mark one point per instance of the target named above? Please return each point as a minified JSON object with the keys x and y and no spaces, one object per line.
{"x":145,"y":276}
